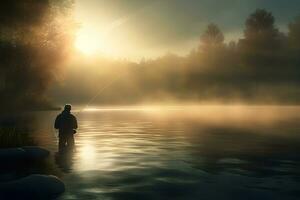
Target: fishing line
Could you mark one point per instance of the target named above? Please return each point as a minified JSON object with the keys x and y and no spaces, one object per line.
{"x":102,"y":89}
{"x":107,"y":85}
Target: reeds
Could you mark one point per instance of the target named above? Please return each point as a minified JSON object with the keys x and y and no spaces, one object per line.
{"x":12,"y":137}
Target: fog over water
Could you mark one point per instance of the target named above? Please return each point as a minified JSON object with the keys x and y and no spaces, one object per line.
{"x":199,"y":78}
{"x":186,"y":152}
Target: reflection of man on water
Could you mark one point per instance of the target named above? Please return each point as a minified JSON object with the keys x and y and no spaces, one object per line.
{"x":66,"y":123}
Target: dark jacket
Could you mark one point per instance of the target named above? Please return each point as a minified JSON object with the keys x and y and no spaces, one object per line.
{"x":65,"y":123}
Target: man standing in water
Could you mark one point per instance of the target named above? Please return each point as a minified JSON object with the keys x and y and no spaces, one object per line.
{"x":66,"y":123}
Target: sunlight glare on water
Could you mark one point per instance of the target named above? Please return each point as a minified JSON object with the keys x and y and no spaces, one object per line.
{"x":86,"y":157}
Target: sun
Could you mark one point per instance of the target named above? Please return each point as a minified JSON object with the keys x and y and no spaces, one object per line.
{"x":87,"y":42}
{"x":91,"y":42}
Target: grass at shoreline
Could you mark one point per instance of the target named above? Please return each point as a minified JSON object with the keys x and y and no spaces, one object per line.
{"x":11,"y":137}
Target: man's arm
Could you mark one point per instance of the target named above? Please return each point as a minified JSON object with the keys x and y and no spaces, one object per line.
{"x":75,"y":125}
{"x":57,"y":122}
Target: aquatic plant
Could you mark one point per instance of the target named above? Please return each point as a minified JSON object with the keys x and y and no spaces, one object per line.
{"x":12,"y":137}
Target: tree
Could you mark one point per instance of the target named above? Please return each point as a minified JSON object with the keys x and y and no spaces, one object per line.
{"x":212,"y":36}
{"x":294,"y":34}
{"x":261,"y":22}
{"x":212,"y":47}
{"x":262,"y":43}
{"x":35,"y":37}
{"x":294,"y":49}
{"x":262,"y":50}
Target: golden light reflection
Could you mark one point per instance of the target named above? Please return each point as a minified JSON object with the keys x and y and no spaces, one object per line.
{"x":91,"y":159}
{"x":88,"y":152}
{"x":87,"y":156}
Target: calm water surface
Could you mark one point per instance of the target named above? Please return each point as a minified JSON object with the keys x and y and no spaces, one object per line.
{"x":208,"y":152}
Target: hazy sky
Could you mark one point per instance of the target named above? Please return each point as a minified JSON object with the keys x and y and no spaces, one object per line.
{"x":148,"y":28}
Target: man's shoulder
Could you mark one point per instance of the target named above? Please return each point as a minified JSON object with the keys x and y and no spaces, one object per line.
{"x":73,"y":116}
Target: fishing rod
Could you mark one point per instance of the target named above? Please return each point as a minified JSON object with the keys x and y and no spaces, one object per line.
{"x":103,"y":88}
{"x":99,"y":91}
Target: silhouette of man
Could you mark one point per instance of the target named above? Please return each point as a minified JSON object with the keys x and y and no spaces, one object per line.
{"x":66,"y":123}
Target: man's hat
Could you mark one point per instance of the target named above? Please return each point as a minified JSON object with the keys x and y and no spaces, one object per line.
{"x":68,"y":107}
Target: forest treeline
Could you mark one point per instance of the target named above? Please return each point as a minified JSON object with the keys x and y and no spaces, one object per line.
{"x":261,"y":67}
{"x":37,"y":37}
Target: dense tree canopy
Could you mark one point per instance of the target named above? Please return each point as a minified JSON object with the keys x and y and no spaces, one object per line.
{"x":35,"y":37}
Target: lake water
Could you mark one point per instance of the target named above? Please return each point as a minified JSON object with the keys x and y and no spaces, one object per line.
{"x":193,"y":152}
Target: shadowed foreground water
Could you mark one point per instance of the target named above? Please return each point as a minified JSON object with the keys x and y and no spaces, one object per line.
{"x":213,"y":152}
